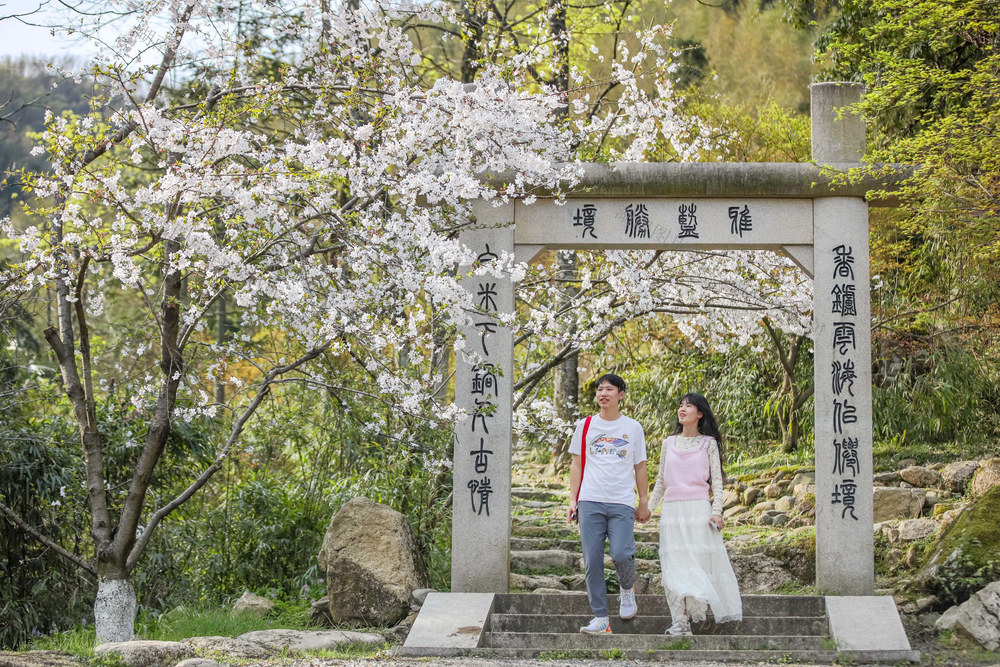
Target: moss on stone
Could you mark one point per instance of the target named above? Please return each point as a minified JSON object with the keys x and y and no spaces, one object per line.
{"x":968,"y":551}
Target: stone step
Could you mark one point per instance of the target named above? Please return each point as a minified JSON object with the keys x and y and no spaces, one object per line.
{"x":655,"y":625}
{"x":532,"y":493}
{"x":541,"y":560}
{"x":565,"y":544}
{"x":655,"y":605}
{"x":560,"y":529}
{"x":543,"y":543}
{"x":556,"y":641}
{"x":715,"y":657}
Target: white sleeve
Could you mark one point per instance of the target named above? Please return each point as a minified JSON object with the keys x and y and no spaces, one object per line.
{"x":575,"y":444}
{"x":640,"y":446}
{"x":715,"y":466}
{"x":660,"y":487}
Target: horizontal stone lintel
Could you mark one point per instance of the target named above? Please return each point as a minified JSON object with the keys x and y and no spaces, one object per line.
{"x":798,"y":180}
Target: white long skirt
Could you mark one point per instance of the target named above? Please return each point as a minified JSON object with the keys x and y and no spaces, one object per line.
{"x":695,"y":565}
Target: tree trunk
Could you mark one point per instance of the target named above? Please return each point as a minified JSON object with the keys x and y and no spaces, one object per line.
{"x":114,"y":610}
{"x":567,"y":379}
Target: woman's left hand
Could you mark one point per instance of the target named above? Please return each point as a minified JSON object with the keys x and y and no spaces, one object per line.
{"x":716,"y":521}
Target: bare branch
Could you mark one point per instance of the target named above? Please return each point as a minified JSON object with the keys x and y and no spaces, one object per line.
{"x":262,"y":391}
{"x":35,"y":533}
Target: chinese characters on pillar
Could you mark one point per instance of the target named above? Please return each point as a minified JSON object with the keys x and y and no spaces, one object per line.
{"x":846,"y":463}
{"x":484,"y":389}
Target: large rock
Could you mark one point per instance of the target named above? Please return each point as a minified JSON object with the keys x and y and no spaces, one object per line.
{"x":144,"y":653}
{"x":758,"y":573}
{"x":730,"y":498}
{"x":785,"y":503}
{"x":916,"y":529}
{"x":986,"y":478}
{"x":371,"y":564}
{"x":964,"y":547}
{"x":890,"y":502}
{"x":920,"y":476}
{"x":37,"y":659}
{"x":977,"y":618}
{"x":309,"y":640}
{"x":254,"y":604}
{"x":958,"y":474}
{"x":805,"y":477}
{"x":227,"y":646}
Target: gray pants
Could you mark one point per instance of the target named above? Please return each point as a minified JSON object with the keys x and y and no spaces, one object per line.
{"x":614,"y":522}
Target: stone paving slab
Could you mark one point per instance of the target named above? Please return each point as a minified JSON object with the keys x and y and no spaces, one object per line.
{"x":450,"y":621}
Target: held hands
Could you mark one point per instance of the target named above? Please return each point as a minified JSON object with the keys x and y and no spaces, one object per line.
{"x":642,"y":512}
{"x":716,"y":521}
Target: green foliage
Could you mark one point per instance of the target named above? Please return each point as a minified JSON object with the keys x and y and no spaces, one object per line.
{"x":39,"y":478}
{"x":960,"y":577}
{"x":964,"y":559}
{"x":262,"y":535}
{"x":941,"y":393}
{"x":738,"y":385}
{"x":676,"y":645}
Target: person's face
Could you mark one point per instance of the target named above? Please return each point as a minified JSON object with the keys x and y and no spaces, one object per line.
{"x":608,"y":394}
{"x":688,"y":414}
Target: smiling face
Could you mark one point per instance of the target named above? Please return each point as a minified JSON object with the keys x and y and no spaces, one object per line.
{"x":608,"y":395}
{"x":688,"y":415}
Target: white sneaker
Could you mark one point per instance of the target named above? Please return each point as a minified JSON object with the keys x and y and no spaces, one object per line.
{"x":627,"y":608}
{"x":681,"y":627}
{"x":599,"y":625}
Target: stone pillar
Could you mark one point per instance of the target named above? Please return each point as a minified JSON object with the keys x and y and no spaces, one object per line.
{"x":484,"y":372}
{"x":842,"y":371}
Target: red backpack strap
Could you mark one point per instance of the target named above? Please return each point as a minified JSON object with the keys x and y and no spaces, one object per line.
{"x":583,"y":454}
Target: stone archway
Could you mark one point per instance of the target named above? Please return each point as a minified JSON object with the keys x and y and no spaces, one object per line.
{"x":791,"y":208}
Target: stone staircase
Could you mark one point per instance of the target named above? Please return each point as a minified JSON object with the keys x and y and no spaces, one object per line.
{"x":774,"y":628}
{"x":542,"y":616}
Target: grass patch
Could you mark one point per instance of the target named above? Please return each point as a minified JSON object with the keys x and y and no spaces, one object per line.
{"x":181,"y":624}
{"x":568,"y":655}
{"x":647,"y":553}
{"x":212,"y":622}
{"x":78,"y":642}
{"x":796,"y":588}
{"x":678,"y":645}
{"x":349,"y":651}
{"x":888,"y":453}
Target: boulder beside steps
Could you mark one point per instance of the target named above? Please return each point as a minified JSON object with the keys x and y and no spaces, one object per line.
{"x":775,"y":628}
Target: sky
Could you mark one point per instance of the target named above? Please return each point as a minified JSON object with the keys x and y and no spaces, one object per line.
{"x":18,"y":38}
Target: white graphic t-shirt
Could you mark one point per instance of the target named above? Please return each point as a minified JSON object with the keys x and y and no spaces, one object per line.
{"x":613,"y":450}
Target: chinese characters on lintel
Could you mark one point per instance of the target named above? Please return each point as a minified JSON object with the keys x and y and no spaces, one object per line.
{"x":586,"y":217}
{"x":740,"y":221}
{"x":688,"y":221}
{"x":636,"y":221}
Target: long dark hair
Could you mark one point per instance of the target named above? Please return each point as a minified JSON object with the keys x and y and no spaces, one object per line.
{"x":707,"y":425}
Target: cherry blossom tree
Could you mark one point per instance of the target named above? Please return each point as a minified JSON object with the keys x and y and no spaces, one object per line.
{"x":310,"y":187}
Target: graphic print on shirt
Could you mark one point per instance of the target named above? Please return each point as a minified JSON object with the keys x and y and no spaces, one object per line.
{"x":608,"y":445}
